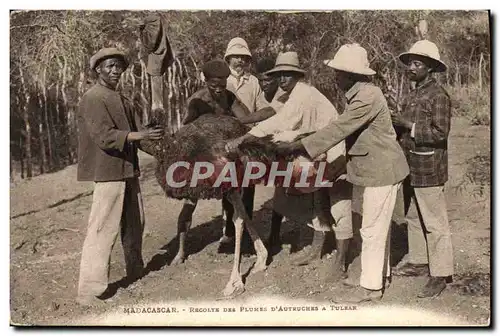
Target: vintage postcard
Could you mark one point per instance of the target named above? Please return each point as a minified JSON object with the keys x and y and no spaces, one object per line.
{"x":250,"y":168}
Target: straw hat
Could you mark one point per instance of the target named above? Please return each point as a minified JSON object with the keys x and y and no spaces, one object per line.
{"x":237,"y":46}
{"x":287,"y":61}
{"x":428,"y":50}
{"x":351,"y":58}
{"x":106,"y":53}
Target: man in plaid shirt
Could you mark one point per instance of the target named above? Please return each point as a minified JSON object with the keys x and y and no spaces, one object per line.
{"x":425,"y":125}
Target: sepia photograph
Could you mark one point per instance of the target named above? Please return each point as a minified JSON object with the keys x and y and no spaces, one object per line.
{"x":250,"y":168}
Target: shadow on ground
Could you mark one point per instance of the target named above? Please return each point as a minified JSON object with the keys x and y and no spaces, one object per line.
{"x":297,"y":235}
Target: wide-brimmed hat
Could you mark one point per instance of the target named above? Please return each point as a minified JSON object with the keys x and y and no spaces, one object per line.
{"x":287,"y":61}
{"x":428,"y":50}
{"x":351,"y":58}
{"x":104,"y":53}
{"x":237,"y":46}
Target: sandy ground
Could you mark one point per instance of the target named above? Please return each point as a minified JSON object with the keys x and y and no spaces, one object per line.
{"x":47,"y":229}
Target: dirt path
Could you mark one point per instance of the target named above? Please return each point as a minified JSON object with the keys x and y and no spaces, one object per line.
{"x":48,"y":223}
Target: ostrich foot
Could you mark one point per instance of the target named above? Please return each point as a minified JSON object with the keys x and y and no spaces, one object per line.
{"x":260,"y":264}
{"x":179,"y":259}
{"x":234,"y":287}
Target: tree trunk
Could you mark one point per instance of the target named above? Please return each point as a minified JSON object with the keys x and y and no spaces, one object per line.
{"x":41,"y":136}
{"x":50,"y":161}
{"x":186,"y":83}
{"x":400,"y":91}
{"x":43,"y":154}
{"x":175,"y":86}
{"x":82,"y":80}
{"x":480,"y":70}
{"x":179,"y":92}
{"x":11,"y":166}
{"x":21,"y":149}
{"x":69,"y":112}
{"x":157,"y":108}
{"x":469,"y":66}
{"x":144,"y":90}
{"x":29,"y":163}
{"x":170,"y":100}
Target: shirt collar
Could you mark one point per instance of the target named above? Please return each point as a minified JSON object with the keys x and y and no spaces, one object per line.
{"x":107,"y":88}
{"x":353,"y":90}
{"x":281,"y":95}
{"x":245,"y":75}
{"x":428,"y":82}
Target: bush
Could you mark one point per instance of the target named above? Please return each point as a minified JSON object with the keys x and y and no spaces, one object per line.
{"x":472,"y":102}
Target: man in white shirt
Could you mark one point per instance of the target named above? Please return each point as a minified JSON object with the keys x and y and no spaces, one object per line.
{"x":247,"y":89}
{"x":305,"y":111}
{"x":241,"y":82}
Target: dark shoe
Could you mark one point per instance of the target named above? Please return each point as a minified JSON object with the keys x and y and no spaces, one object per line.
{"x":433,"y":287}
{"x":410,"y":269}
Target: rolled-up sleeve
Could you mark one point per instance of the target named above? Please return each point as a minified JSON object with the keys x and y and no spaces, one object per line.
{"x":290,"y":115}
{"x":100,"y":125}
{"x":239,"y":109}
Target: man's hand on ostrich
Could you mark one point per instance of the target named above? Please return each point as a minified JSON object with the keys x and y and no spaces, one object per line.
{"x":288,"y":148}
{"x":233,"y":145}
{"x":154,"y":134}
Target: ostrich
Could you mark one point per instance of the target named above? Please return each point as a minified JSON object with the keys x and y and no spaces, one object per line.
{"x":203,"y":140}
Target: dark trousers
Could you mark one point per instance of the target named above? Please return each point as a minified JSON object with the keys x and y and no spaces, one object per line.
{"x":248,"y":198}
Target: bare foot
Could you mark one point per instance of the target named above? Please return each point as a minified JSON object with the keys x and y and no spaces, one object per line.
{"x":336,"y":273}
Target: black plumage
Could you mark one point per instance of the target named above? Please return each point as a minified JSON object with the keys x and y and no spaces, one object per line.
{"x":203,"y":140}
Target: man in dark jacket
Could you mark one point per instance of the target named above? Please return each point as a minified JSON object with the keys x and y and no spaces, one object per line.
{"x":425,"y":125}
{"x":109,"y":134}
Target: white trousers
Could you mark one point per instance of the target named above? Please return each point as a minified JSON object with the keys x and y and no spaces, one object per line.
{"x":378,"y":206}
{"x":116,"y":208}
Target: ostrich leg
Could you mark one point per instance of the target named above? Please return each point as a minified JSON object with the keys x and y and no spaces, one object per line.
{"x":260,"y":249}
{"x":183,"y":225}
{"x":235,"y":285}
